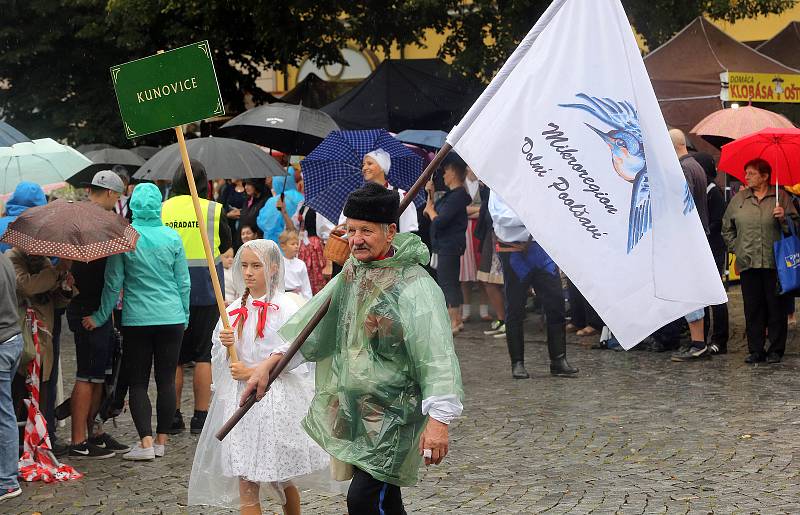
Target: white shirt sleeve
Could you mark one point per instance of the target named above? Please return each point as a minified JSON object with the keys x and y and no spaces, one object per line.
{"x":324,"y":227}
{"x":408,"y":220}
{"x":305,"y":284}
{"x":296,"y":360}
{"x":507,"y":225}
{"x":443,"y":408}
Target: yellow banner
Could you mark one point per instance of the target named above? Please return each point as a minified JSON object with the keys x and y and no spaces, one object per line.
{"x":760,"y":87}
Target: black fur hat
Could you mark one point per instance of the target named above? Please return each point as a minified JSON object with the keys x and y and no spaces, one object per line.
{"x":373,"y":203}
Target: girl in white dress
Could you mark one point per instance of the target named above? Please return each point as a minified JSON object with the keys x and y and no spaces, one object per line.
{"x":268,"y":447}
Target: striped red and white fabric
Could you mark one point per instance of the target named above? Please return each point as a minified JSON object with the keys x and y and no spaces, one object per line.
{"x":38,"y":463}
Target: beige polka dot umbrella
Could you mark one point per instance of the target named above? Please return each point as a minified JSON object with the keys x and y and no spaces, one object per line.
{"x":80,"y":231}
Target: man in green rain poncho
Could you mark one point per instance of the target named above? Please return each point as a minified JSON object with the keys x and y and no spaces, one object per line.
{"x":388,"y":381}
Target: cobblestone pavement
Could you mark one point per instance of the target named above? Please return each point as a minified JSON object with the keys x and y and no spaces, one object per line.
{"x":634,"y":433}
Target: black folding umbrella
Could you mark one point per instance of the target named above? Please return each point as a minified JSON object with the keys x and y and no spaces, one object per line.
{"x":223,"y":158}
{"x":292,"y":129}
{"x":91,"y":147}
{"x":106,"y":159}
{"x":145,"y":151}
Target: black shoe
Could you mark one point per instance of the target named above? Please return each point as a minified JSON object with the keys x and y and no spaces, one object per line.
{"x":561,"y":368}
{"x":557,"y":351}
{"x":177,"y":424}
{"x":106,"y":441}
{"x":603,"y":345}
{"x":518,"y":371}
{"x":89,"y":450}
{"x":773,"y":357}
{"x":197,"y":422}
{"x":715,"y":348}
{"x":756,"y":357}
{"x":59,"y":448}
{"x":64,"y":409}
{"x":691,"y":353}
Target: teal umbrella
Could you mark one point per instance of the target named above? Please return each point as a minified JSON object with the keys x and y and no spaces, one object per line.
{"x":43,"y":161}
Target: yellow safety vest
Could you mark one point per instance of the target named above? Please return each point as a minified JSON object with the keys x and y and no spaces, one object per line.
{"x":178,"y":213}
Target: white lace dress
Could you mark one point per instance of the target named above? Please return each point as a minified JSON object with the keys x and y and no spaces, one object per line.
{"x":269,"y":444}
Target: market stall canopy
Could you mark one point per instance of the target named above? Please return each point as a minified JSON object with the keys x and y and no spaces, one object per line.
{"x":314,"y":92}
{"x":406,"y":94}
{"x":685,"y":71}
{"x":784,"y":46}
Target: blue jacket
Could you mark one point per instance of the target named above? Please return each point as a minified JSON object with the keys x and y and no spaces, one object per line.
{"x":270,"y":220}
{"x":154,"y":276}
{"x":449,"y":228}
{"x":26,"y":194}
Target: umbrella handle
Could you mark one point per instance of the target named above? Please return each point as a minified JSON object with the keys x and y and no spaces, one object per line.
{"x":201,"y":224}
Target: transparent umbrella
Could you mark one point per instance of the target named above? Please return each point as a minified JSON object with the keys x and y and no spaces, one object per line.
{"x":43,"y":161}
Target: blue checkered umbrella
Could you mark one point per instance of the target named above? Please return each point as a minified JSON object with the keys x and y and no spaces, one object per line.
{"x":333,"y":170}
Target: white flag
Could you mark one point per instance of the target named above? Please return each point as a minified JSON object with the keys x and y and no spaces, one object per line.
{"x":570,"y":135}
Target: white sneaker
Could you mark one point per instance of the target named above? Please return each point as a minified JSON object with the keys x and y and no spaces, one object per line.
{"x":160,"y":450}
{"x":139,"y":453}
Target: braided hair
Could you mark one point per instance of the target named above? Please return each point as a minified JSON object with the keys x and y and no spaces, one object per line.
{"x":246,"y":294}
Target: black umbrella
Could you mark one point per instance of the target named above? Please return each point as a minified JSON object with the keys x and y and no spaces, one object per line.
{"x":292,"y":129}
{"x":10,"y":136}
{"x":91,"y":147}
{"x":223,"y":158}
{"x":145,"y":151}
{"x":106,"y":159}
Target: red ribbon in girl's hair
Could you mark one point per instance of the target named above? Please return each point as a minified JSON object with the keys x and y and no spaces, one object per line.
{"x":241,"y":315}
{"x":262,"y":315}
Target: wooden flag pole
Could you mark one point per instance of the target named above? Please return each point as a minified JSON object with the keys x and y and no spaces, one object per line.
{"x":323,"y":309}
{"x":201,"y":223}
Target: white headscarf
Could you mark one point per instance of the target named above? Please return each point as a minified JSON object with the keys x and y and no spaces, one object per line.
{"x":381,"y":157}
{"x":269,"y":254}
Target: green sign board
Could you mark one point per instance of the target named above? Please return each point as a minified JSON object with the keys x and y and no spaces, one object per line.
{"x":167,"y":89}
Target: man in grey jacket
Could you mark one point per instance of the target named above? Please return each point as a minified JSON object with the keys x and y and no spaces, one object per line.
{"x":10,"y":350}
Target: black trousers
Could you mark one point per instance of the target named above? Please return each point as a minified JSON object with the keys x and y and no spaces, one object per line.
{"x":764,"y":310}
{"x":144,"y":346}
{"x":368,"y":496}
{"x":582,"y":313}
{"x":448,"y":270}
{"x":716,"y":324}
{"x":548,"y":289}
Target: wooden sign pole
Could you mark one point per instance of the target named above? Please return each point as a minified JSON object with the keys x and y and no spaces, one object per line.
{"x":323,"y":309}
{"x":201,"y":222}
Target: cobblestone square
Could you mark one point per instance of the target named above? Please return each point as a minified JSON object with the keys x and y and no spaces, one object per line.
{"x":634,"y":433}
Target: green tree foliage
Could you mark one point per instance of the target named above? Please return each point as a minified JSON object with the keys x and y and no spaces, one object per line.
{"x":55,"y":54}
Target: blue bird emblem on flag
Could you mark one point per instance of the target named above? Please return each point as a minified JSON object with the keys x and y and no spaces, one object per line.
{"x":625,"y":141}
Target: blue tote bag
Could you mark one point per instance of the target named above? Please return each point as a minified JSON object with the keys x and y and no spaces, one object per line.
{"x":787,"y":260}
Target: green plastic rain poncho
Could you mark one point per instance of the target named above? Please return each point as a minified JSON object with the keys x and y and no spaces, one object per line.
{"x":384,"y":346}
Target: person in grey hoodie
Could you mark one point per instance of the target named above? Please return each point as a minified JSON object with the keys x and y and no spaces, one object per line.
{"x":10,"y":350}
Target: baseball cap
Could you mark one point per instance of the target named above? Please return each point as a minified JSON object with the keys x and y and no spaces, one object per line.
{"x":108,"y":180}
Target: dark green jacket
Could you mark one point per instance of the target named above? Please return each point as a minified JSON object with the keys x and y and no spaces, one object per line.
{"x":750,"y":229}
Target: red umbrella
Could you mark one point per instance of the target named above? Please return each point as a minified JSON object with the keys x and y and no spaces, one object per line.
{"x":725,"y":125}
{"x":80,"y":231}
{"x":779,"y":147}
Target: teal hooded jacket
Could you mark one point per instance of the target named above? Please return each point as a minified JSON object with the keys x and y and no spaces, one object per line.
{"x":154,"y":276}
